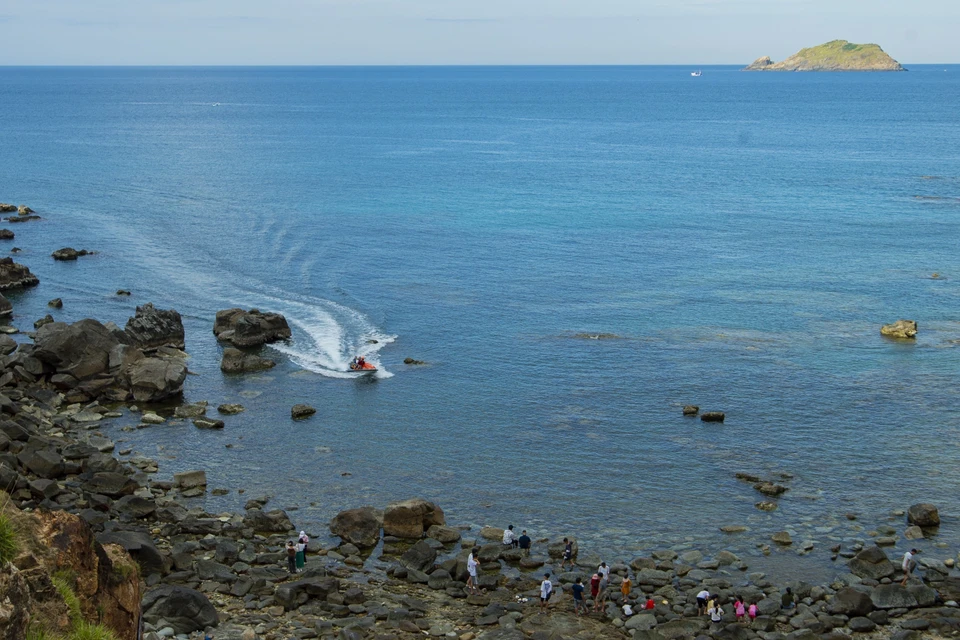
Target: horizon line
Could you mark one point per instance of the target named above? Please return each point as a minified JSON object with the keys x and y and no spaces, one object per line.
{"x":400,"y":65}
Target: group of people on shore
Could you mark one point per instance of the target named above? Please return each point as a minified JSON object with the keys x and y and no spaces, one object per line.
{"x":297,"y":553}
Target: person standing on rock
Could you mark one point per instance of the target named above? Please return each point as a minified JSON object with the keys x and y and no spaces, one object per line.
{"x":291,"y":557}
{"x":304,"y":540}
{"x":595,"y":589}
{"x":300,"y":555}
{"x":509,"y":539}
{"x":546,"y":590}
{"x":908,"y":565}
{"x":472,"y":571}
{"x":567,"y":553}
{"x":752,"y":612}
{"x":601,"y":602}
{"x":524,"y":543}
{"x":739,"y":608}
{"x":604,"y":570}
{"x":579,"y":606}
{"x":625,"y":588}
{"x":702,"y":602}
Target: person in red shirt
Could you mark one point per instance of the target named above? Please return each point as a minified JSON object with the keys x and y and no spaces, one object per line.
{"x":650,"y":604}
{"x":595,"y":588}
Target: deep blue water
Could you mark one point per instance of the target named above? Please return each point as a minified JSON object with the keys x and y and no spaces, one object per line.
{"x":744,"y":234}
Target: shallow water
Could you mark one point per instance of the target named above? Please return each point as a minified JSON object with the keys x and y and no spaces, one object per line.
{"x":743,"y":234}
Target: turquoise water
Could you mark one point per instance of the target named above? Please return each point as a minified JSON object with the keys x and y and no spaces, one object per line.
{"x":744,"y":235}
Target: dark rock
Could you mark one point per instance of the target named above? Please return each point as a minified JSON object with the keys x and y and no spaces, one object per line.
{"x":301,"y":411}
{"x":713,"y":416}
{"x":236,"y":361}
{"x":419,"y":557}
{"x":156,"y":379}
{"x":443,"y":533}
{"x":110,"y":484}
{"x":861,"y":625}
{"x":230,"y":409}
{"x":691,"y":410}
{"x":56,"y":303}
{"x":275,"y":521}
{"x":123,"y":292}
{"x":358,"y":526}
{"x":135,"y":506}
{"x":320,"y":588}
{"x":851,"y":602}
{"x":210,"y":570}
{"x":901,"y":329}
{"x":47,"y":319}
{"x":15,"y":276}
{"x":412,"y":361}
{"x":69,"y":253}
{"x":250,"y":328}
{"x":7,"y":345}
{"x":81,"y":349}
{"x":871,"y":563}
{"x":206,"y":423}
{"x":771,"y":488}
{"x":151,"y":328}
{"x":892,"y":596}
{"x":141,"y":548}
{"x":6,"y":234}
{"x":924,"y":515}
{"x":184,"y":609}
{"x":6,"y":307}
{"x":45,"y":463}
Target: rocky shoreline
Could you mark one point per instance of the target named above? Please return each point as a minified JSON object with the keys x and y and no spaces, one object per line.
{"x":399,"y":572}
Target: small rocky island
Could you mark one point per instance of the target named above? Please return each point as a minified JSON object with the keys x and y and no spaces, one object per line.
{"x":838,"y":55}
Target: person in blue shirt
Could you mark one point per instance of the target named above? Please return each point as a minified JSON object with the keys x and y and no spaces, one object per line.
{"x":579,"y":605}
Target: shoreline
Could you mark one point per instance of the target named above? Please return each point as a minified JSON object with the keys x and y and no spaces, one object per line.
{"x":235,"y":560}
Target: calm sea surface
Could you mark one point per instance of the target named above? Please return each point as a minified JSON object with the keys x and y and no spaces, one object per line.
{"x":744,"y":236}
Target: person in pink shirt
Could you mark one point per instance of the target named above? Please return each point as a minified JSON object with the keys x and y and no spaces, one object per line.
{"x":739,"y":608}
{"x":752,"y":612}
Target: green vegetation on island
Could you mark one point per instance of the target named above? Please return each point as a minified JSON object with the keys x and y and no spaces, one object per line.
{"x":838,"y":55}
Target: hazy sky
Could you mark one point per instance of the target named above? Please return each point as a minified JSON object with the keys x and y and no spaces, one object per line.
{"x":461,"y":32}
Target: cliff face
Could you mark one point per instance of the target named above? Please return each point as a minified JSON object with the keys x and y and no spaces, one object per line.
{"x":838,"y":55}
{"x":61,"y":564}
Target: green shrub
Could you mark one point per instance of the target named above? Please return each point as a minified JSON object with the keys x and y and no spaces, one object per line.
{"x":65,"y":589}
{"x":39,"y":633}
{"x":88,"y":631}
{"x":9,"y":542}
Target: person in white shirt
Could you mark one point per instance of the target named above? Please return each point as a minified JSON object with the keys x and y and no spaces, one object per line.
{"x":472,"y":572}
{"x":546,"y":590}
{"x":604,"y":570}
{"x":509,"y":537}
{"x":716,"y":613}
{"x":702,"y":602}
{"x":908,"y":565}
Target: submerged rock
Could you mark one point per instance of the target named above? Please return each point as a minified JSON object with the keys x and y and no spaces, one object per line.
{"x":691,"y":410}
{"x":231,"y":409}
{"x":301,"y":411}
{"x":56,"y":303}
{"x":713,"y":416}
{"x":412,"y":361}
{"x":901,"y":329}
{"x":69,"y":253}
{"x":236,"y":361}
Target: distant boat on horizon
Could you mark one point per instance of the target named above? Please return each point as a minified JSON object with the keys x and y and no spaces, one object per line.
{"x":697,"y":73}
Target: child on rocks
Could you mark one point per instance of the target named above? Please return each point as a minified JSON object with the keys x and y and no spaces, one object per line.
{"x":739,"y":608}
{"x":291,"y":557}
{"x":579,"y":606}
{"x":546,"y":590}
{"x":752,"y":612}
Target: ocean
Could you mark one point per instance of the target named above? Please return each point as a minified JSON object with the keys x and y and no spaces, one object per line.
{"x":738,"y":238}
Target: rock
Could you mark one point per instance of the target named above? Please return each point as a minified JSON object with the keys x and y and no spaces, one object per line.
{"x":56,"y":303}
{"x":135,"y":506}
{"x":7,"y":345}
{"x":69,"y":253}
{"x":123,"y":292}
{"x":183,"y":609}
{"x":190,"y":479}
{"x":45,"y":463}
{"x":47,"y":319}
{"x":923,"y":515}
{"x":443,"y":533}
{"x":871,"y":563}
{"x":151,"y":328}
{"x":733,"y":528}
{"x":851,"y":602}
{"x":412,"y":361}
{"x":6,"y":307}
{"x":191,"y":410}
{"x":24,"y":210}
{"x":892,"y":596}
{"x":7,"y":208}
{"x":81,"y":349}
{"x":236,"y":361}
{"x":712,"y":416}
{"x":152,"y":418}
{"x":419,"y":557}
{"x":109,"y":483}
{"x":141,"y":548}
{"x":766,"y":505}
{"x":913,"y":532}
{"x":275,"y":521}
{"x":15,"y":276}
{"x":207,"y":423}
{"x":410,"y":518}
{"x":691,"y":410}
{"x":319,"y":588}
{"x":301,"y":411}
{"x":358,"y":526}
{"x":250,"y":328}
{"x":901,"y":329}
{"x":782,"y":538}
{"x":230,"y":409}
{"x":156,"y":379}
{"x":771,"y":488}
{"x":6,"y":234}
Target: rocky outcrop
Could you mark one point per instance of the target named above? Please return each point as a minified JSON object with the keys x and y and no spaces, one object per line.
{"x":156,"y":379}
{"x":6,"y":207}
{"x":410,"y":518}
{"x":6,"y":234}
{"x":24,"y":210}
{"x":6,"y":308}
{"x":185,"y":610}
{"x":250,"y":328}
{"x":151,"y":328}
{"x":236,"y":361}
{"x":901,"y":329}
{"x":69,"y":253}
{"x":358,"y":526}
{"x":924,"y":515}
{"x":872,"y":563}
{"x":15,"y":276}
{"x":837,"y":55}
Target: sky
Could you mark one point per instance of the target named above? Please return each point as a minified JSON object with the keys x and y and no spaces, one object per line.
{"x":364,"y":32}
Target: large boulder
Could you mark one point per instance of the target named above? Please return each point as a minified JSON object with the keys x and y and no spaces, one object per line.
{"x":15,"y":276}
{"x":44,"y":463}
{"x":275,"y":521}
{"x":902,"y":329}
{"x":6,"y":307}
{"x":185,"y":610}
{"x":851,"y":602}
{"x":419,"y":557}
{"x":872,"y":563}
{"x":152,"y":328}
{"x":156,"y":379}
{"x":81,"y":350}
{"x":108,"y":483}
{"x":358,"y":526}
{"x":410,"y":518}
{"x":250,"y":328}
{"x":141,"y":548}
{"x":892,"y":596}
{"x":288,"y":595}
{"x":924,"y":515}
{"x":236,"y":361}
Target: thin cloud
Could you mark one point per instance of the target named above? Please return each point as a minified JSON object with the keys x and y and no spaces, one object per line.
{"x":465,"y":20}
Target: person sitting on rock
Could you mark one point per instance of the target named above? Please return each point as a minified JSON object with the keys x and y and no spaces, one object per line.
{"x":508,"y":538}
{"x":786,"y":600}
{"x":650,"y":604}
